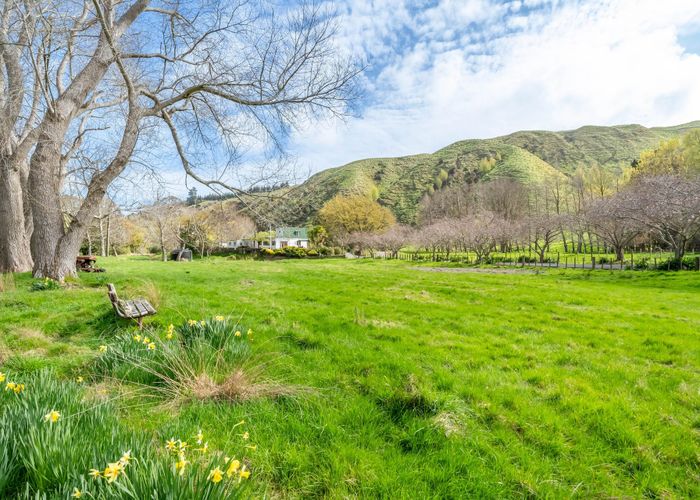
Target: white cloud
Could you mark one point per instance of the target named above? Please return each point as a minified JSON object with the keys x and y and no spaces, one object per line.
{"x":478,"y":68}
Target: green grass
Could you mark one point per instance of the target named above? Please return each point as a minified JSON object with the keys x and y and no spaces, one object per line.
{"x":423,"y":384}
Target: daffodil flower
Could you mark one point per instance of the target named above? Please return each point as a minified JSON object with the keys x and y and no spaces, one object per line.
{"x":112,"y":471}
{"x":216,"y":475}
{"x":126,"y":458}
{"x":137,"y":338}
{"x":203,"y":323}
{"x":219,"y":318}
{"x":170,"y":444}
{"x":151,"y":346}
{"x":10,"y":386}
{"x":191,"y":322}
{"x":243,"y":474}
{"x":52,"y":417}
{"x":94,"y":473}
{"x":103,"y":348}
{"x":180,"y":465}
{"x":245,"y":436}
{"x":169,"y":336}
{"x":146,"y":340}
{"x":252,"y":447}
{"x":238,"y":333}
{"x":77,"y":493}
{"x":2,"y":377}
{"x":233,"y":467}
{"x":80,"y":380}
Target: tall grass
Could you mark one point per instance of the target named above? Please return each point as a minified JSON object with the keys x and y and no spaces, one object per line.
{"x":7,"y":282}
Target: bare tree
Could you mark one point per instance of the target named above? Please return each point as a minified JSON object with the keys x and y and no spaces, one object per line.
{"x":394,"y":239}
{"x":667,"y":205}
{"x":220,"y":75}
{"x":606,"y":218}
{"x":542,"y":230}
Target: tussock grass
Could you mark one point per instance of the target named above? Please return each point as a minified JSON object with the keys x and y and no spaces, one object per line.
{"x":7,"y":282}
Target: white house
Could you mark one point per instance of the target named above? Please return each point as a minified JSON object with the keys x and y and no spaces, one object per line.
{"x":243,"y":243}
{"x":291,"y":237}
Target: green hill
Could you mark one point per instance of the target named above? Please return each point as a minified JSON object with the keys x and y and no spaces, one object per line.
{"x":528,"y":156}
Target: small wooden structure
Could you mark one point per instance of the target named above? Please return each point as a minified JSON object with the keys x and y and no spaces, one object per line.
{"x":85,"y":263}
{"x":130,"y":309}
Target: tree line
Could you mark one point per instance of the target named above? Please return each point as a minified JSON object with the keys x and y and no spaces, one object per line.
{"x":655,"y":203}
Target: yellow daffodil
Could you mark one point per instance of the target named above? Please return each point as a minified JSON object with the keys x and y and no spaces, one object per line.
{"x":80,"y":380}
{"x":191,"y":322}
{"x":146,"y":340}
{"x":204,"y":448}
{"x":77,"y":493}
{"x":126,"y":458}
{"x":103,"y":348}
{"x":216,"y":475}
{"x":237,"y":334}
{"x":10,"y":386}
{"x":112,"y":471}
{"x":203,"y":323}
{"x":2,"y":377}
{"x":219,"y":318}
{"x":233,"y":467}
{"x":52,"y":417}
{"x":171,"y":328}
{"x":170,"y":445}
{"x":245,"y":436}
{"x":18,"y":388}
{"x":199,"y":436}
{"x":169,"y":336}
{"x":181,"y":464}
{"x":137,"y":338}
{"x":94,"y":473}
{"x":151,"y":346}
{"x":250,"y":333}
{"x":243,"y":474}
{"x":252,"y":447}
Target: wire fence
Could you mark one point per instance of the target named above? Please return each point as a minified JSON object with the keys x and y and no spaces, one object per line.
{"x":632,"y":261}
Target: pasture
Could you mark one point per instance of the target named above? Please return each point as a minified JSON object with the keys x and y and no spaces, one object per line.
{"x":409,"y":383}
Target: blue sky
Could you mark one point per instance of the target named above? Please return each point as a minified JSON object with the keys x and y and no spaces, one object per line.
{"x":445,"y":70}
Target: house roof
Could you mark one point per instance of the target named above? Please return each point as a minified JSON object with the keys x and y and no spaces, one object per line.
{"x":291,"y":232}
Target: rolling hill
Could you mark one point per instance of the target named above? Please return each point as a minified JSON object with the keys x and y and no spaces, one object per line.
{"x":528,"y":156}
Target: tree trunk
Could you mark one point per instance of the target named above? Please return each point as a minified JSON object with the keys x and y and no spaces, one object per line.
{"x":15,"y":253}
{"x":44,"y":181}
{"x":619,"y":253}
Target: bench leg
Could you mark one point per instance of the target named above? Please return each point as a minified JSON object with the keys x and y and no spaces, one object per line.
{"x":140,"y":322}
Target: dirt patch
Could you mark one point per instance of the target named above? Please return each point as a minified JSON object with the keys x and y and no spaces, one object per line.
{"x":477,"y":270}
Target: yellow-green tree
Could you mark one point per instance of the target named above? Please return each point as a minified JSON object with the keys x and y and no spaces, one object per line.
{"x":352,"y":214}
{"x":674,"y":156}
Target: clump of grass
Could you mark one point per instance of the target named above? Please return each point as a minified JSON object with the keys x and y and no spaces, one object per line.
{"x":200,"y":360}
{"x":54,"y":443}
{"x":7,"y":282}
{"x":150,"y":291}
{"x":45,"y":284}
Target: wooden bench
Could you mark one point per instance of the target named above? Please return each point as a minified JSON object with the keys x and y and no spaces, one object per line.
{"x":130,"y":309}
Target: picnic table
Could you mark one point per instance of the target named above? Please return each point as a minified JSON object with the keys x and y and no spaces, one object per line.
{"x":86,"y":263}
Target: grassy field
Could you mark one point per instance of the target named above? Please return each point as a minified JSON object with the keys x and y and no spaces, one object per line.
{"x":411,"y":383}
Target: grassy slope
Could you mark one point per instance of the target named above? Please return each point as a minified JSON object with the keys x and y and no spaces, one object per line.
{"x":528,"y":156}
{"x":552,"y":384}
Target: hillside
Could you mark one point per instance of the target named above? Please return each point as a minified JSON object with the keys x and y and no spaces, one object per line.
{"x":528,"y":156}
